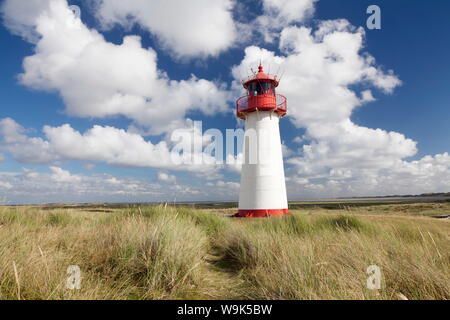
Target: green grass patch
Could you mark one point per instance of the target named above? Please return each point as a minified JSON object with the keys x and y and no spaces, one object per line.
{"x":343,"y":223}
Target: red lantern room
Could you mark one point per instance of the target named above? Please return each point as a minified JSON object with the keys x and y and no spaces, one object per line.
{"x":261,"y":96}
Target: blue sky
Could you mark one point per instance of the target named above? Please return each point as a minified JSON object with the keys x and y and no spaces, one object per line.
{"x":373,"y":122}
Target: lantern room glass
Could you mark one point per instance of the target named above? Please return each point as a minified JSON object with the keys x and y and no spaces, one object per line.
{"x":258,"y":88}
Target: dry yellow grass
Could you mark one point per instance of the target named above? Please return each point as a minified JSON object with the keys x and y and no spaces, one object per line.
{"x":179,"y":253}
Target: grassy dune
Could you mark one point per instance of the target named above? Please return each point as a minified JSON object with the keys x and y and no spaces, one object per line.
{"x":154,"y":252}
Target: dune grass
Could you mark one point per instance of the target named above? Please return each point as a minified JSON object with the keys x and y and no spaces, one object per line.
{"x":158,"y":252}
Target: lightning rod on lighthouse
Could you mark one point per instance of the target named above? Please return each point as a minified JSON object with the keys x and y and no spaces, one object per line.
{"x":263,"y":186}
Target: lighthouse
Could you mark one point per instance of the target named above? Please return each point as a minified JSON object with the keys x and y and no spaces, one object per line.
{"x":263,"y":186}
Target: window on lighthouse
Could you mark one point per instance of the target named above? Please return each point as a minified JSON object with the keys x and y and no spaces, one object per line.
{"x":261,"y":87}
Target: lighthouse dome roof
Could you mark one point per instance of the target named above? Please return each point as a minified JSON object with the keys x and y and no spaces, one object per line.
{"x":261,"y":76}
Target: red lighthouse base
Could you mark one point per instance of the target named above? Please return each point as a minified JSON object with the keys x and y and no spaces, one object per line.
{"x":262,"y":213}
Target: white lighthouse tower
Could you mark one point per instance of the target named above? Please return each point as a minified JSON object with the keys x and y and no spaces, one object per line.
{"x":263,"y":186}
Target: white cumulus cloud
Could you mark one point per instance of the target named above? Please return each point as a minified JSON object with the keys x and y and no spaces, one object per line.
{"x":5,"y":185}
{"x":97,"y":78}
{"x":165,"y":177}
{"x":117,"y":147}
{"x":187,"y":28}
{"x":278,"y":14}
{"x":61,"y":175}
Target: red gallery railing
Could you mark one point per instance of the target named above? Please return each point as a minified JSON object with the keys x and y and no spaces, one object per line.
{"x":264,"y":102}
